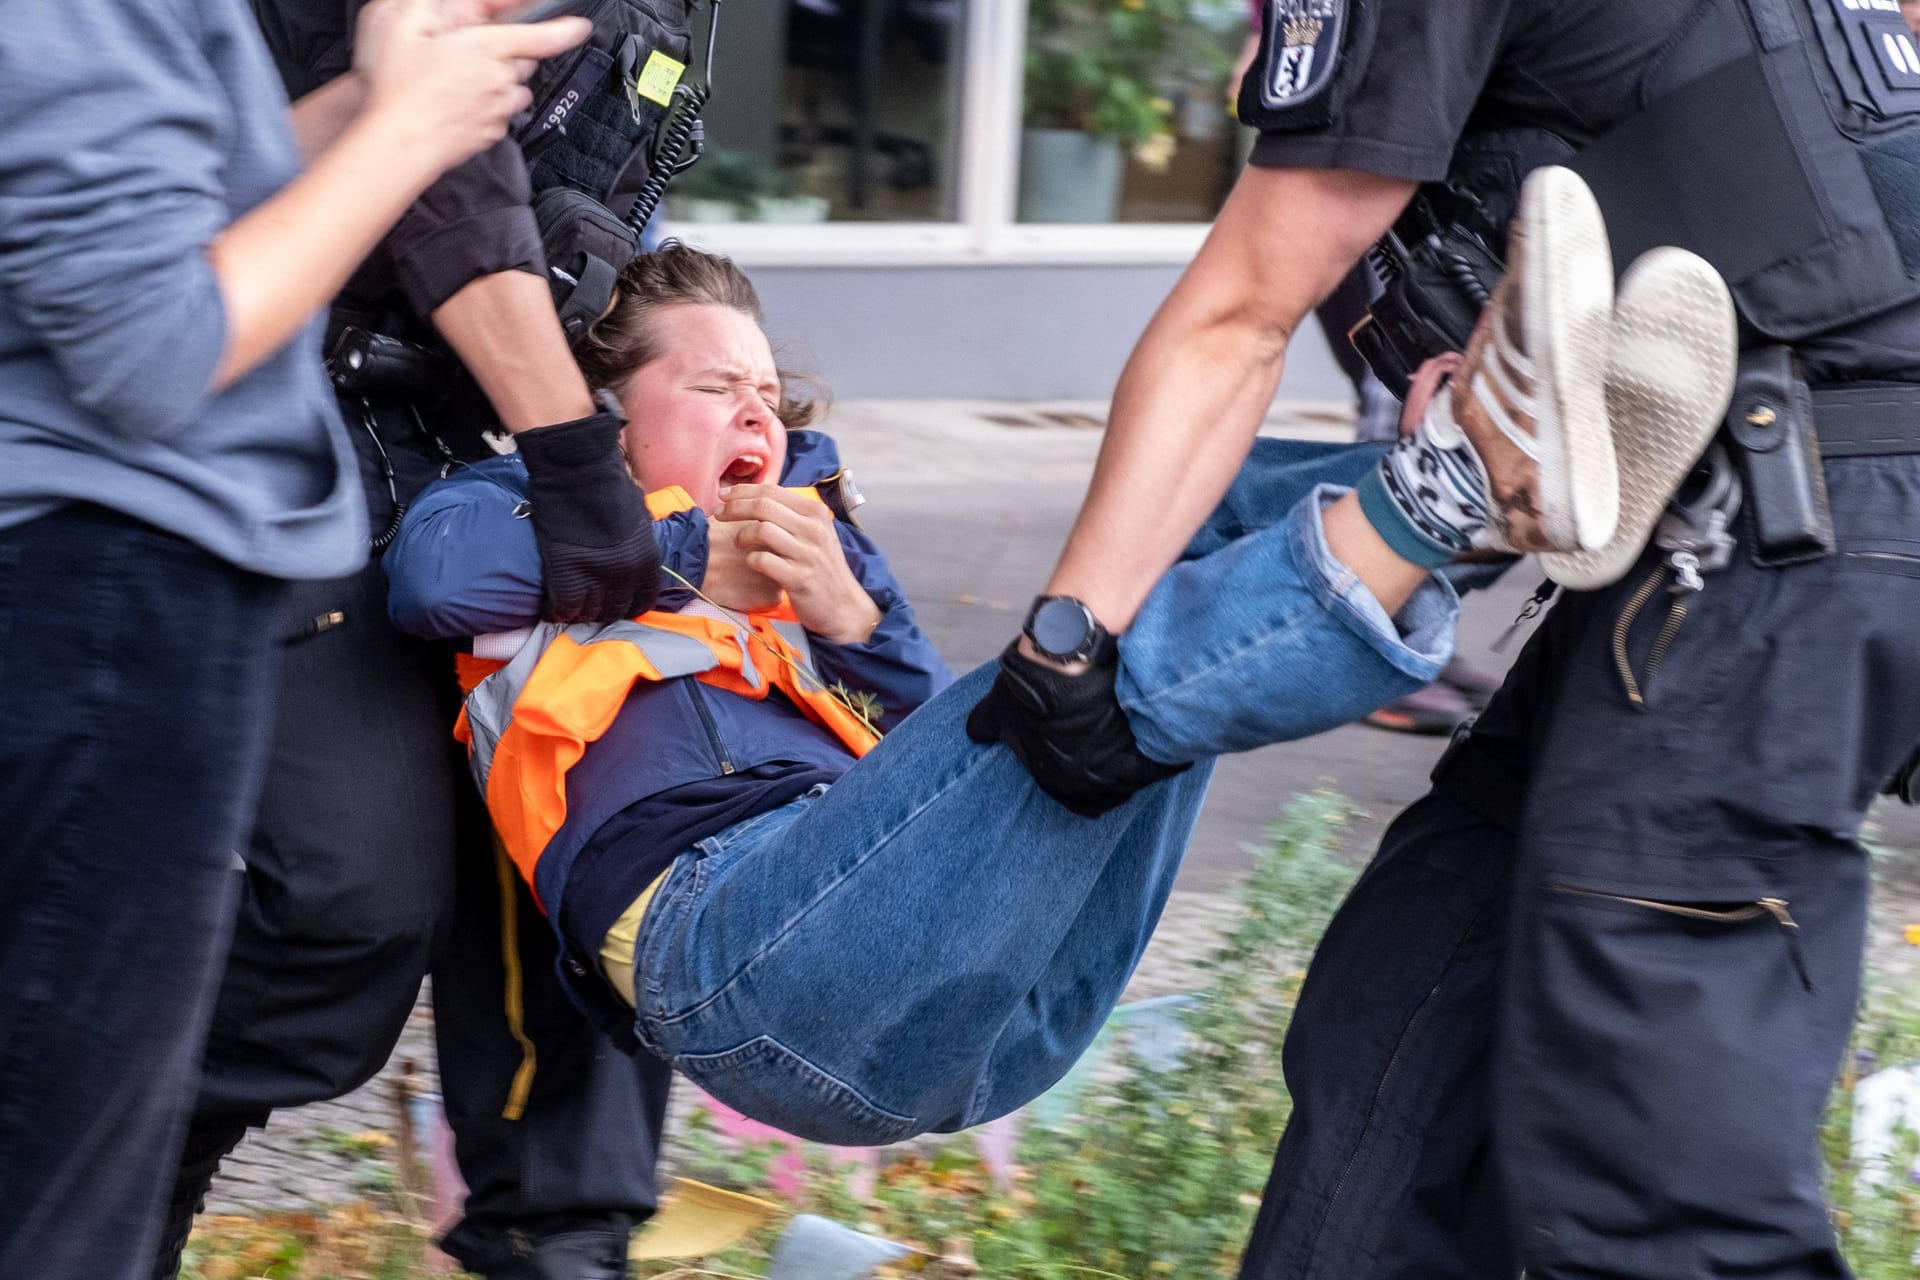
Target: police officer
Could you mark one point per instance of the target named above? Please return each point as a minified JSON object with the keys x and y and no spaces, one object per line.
{"x":1581,"y":1015}
{"x":370,"y":860}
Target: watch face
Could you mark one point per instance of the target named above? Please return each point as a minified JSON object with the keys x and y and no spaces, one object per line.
{"x":1061,"y":627}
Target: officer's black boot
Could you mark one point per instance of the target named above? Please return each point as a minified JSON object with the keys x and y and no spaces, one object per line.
{"x":587,"y":1250}
{"x":208,"y":1143}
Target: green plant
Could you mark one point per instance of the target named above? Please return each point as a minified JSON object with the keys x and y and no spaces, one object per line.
{"x":351,"y":1242}
{"x":1159,"y":1171}
{"x":724,"y":173}
{"x":369,"y":1144}
{"x":1109,"y":68}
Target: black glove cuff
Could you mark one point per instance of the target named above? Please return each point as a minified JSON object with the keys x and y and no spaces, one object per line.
{"x":1068,"y":730}
{"x":574,"y":456}
{"x":598,"y":555}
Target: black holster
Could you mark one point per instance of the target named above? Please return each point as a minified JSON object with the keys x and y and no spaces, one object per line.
{"x":1433,"y":288}
{"x":1770,"y":423}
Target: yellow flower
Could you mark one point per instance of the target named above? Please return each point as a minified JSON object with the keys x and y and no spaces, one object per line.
{"x":1155,"y":153}
{"x":1913,"y":934}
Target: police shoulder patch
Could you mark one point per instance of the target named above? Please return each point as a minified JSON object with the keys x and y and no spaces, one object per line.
{"x":1301,"y":43}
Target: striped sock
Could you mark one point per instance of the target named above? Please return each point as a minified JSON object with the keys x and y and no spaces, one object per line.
{"x":1428,"y":496}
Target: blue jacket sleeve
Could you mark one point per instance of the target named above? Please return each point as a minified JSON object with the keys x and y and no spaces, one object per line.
{"x":465,"y":564}
{"x":897,"y":664}
{"x":111,"y":189}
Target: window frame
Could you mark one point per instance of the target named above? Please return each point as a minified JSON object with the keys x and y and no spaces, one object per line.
{"x":986,"y":232}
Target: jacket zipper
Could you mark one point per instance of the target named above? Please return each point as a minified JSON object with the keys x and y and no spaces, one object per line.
{"x":1775,"y":907}
{"x":713,"y":730}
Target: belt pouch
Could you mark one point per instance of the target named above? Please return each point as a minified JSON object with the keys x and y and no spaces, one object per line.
{"x":1771,"y":424}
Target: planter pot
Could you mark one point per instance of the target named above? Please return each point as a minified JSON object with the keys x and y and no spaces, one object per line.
{"x":1068,"y":176}
{"x":700,"y":209}
{"x":791,"y":208}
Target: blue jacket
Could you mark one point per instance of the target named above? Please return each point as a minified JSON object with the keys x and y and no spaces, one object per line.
{"x":465,"y":564}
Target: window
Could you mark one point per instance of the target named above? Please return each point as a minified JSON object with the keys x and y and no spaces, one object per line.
{"x":841,"y":110}
{"x":873,"y":132}
{"x":1125,"y":113}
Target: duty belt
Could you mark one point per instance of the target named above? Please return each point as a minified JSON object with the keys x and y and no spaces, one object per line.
{"x":1867,"y":419}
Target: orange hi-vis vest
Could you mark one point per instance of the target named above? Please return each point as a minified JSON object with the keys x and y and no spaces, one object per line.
{"x":530,"y":721}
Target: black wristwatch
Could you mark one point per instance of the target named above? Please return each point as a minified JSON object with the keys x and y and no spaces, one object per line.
{"x":1064,"y":630}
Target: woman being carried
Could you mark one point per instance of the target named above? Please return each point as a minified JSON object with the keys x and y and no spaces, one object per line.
{"x":859,"y":938}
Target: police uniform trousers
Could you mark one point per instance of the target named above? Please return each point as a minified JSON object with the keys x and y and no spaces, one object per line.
{"x":371,"y":861}
{"x":1582,"y":1013}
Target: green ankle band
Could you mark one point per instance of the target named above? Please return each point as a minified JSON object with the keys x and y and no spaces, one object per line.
{"x":1396,"y":527}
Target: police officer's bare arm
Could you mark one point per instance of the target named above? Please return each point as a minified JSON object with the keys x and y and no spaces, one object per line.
{"x":433,"y":98}
{"x":1200,"y":379}
{"x":503,"y":328}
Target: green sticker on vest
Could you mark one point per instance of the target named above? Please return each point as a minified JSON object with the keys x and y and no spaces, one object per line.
{"x":658,"y":78}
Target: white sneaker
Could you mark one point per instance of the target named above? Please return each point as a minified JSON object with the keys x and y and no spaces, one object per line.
{"x":1673,"y":348}
{"x":1531,"y":396}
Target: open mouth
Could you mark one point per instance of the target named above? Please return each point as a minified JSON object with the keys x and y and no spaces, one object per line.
{"x":747,"y":468}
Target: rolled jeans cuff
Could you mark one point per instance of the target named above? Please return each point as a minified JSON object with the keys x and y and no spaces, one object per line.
{"x":1271,"y":639}
{"x":1418,"y":640}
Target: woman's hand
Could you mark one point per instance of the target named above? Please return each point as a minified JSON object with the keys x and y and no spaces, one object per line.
{"x":791,"y":542}
{"x":447,"y":78}
{"x":729,"y":583}
{"x":1424,"y":386}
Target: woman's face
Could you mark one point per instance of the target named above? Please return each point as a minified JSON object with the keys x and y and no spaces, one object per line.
{"x":704,"y":415}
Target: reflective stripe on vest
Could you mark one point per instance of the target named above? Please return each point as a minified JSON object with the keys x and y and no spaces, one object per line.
{"x":528,"y":723}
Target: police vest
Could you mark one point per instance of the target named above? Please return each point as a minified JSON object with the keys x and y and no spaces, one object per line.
{"x":531,"y":720}
{"x":597,"y":108}
{"x":609,"y":122}
{"x":1780,"y":142}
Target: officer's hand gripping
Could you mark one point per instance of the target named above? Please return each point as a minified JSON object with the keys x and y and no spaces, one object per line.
{"x":1068,"y":730}
{"x":599,"y":561}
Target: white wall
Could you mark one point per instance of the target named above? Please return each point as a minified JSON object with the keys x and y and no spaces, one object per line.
{"x":985,"y":332}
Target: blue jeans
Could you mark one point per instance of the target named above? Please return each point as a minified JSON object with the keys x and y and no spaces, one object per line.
{"x":932,"y":942}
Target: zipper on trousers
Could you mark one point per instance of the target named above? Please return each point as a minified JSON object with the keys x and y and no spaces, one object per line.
{"x":1895,"y":556}
{"x":1775,"y":907}
{"x":1684,"y":574}
{"x":713,"y":730}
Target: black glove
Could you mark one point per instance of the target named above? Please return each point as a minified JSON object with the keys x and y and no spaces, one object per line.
{"x":1069,"y":731}
{"x":599,"y":561}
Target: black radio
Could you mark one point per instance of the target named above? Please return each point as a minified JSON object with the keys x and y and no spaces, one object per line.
{"x":373,"y":366}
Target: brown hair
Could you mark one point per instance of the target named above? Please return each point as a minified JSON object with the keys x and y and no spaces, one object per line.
{"x":628,"y":336}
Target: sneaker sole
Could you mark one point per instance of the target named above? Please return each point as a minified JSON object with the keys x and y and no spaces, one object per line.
{"x":1673,"y":352}
{"x":1567,"y":301}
